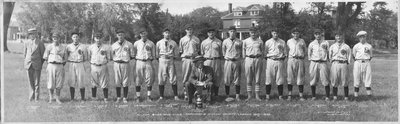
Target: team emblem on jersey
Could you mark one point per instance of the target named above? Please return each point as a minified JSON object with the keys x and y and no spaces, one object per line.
{"x":237,"y":46}
{"x":148,"y":48}
{"x":170,"y":46}
{"x":343,"y":52}
{"x":366,"y":50}
{"x":103,"y":52}
{"x":79,"y":51}
{"x":324,"y":46}
{"x":126,"y":49}
{"x":280,"y":47}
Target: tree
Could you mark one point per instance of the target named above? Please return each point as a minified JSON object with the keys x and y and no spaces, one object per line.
{"x":382,"y":24}
{"x":346,"y":16}
{"x":8,"y":9}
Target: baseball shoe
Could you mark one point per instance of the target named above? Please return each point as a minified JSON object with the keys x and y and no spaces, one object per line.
{"x":267,"y":98}
{"x":160,"y":99}
{"x":313,"y":98}
{"x":105,"y":100}
{"x":58,"y":101}
{"x":125,"y":100}
{"x":355,"y":94}
{"x":302,"y":99}
{"x":186,"y":98}
{"x":346,"y":98}
{"x":280,"y":97}
{"x":248,"y":99}
{"x":94,"y":99}
{"x":334,"y":98}
{"x":237,"y":99}
{"x":176,"y":98}
{"x":327,"y":99}
{"x":289,"y":98}
{"x":137,"y":100}
{"x":149,"y":99}
{"x":118,"y":100}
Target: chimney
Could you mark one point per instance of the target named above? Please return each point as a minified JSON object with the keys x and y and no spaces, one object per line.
{"x":230,"y":8}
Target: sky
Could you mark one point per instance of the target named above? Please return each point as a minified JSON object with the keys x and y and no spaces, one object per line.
{"x":186,"y":6}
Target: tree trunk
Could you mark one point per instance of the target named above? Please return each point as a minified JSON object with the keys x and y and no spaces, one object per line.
{"x":8,"y":9}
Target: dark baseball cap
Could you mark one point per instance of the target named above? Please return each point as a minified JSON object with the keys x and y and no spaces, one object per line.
{"x":77,"y":33}
{"x":120,"y":31}
{"x":295,"y":30}
{"x":317,"y":31}
{"x":166,"y":29}
{"x":232,"y":28}
{"x":55,"y":35}
{"x":188,"y":27}
{"x":210,"y":30}
{"x":98,"y":35}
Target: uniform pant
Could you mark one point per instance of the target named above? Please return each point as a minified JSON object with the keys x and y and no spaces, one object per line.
{"x":121,"y":74}
{"x":295,"y":71}
{"x":362,"y":73}
{"x":217,"y":68}
{"x":187,"y":66}
{"x":339,"y":74}
{"x":55,"y":75}
{"x":274,"y":72}
{"x":76,"y":75}
{"x":252,"y":70}
{"x":99,"y":76}
{"x":232,"y":70}
{"x":144,"y":73}
{"x":319,"y":71}
{"x":166,"y":69}
{"x":34,"y":82}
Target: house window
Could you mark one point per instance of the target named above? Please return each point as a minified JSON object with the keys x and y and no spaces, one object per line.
{"x":236,"y":22}
{"x":237,"y":13}
{"x":254,"y":23}
{"x":254,"y":13}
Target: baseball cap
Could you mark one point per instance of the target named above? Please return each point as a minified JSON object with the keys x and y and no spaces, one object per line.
{"x":166,"y":29}
{"x":188,"y":27}
{"x":253,"y":29}
{"x":32,"y":30}
{"x":210,"y":30}
{"x":232,"y":28}
{"x":98,"y":35}
{"x":317,"y":31}
{"x":55,"y":35}
{"x":77,"y":33}
{"x":295,"y":30}
{"x":361,"y":33}
{"x":120,"y":31}
{"x":199,"y":58}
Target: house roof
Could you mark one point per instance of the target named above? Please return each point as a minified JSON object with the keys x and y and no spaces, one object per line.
{"x":244,"y":16}
{"x":246,"y":13}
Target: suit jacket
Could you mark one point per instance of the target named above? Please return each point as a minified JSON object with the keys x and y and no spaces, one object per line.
{"x":33,"y":54}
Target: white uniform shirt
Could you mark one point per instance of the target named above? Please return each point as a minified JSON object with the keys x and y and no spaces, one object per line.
{"x":340,"y":51}
{"x":99,"y":54}
{"x":362,"y":51}
{"x":296,"y":48}
{"x":144,"y":50}
{"x":318,"y":51}
{"x":275,"y":48}
{"x":252,"y":47}
{"x":122,"y":52}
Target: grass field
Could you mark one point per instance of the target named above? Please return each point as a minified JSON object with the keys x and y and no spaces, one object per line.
{"x":382,"y":107}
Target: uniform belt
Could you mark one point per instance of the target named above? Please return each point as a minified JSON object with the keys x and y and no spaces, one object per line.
{"x":341,"y":61}
{"x":145,"y":60}
{"x":276,"y":59}
{"x":318,"y":61}
{"x":166,"y":57}
{"x":97,"y":64}
{"x":74,"y":61}
{"x":120,"y":61}
{"x":231,"y":59}
{"x":188,"y":57}
{"x":297,"y":57}
{"x":362,"y":60}
{"x":56,"y":63}
{"x":254,"y":56}
{"x":214,"y":58}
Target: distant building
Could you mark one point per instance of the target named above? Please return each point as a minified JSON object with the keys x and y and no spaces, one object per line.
{"x":15,"y":32}
{"x":243,"y":18}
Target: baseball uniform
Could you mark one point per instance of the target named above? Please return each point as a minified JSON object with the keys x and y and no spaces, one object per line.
{"x":296,"y":67}
{"x":99,"y":55}
{"x":122,"y":53}
{"x":56,"y":56}
{"x":340,"y":54}
{"x":232,"y":52}
{"x":77,"y":54}
{"x":362,"y":68}
{"x":33,"y":61}
{"x":189,"y":47}
{"x":166,"y":51}
{"x":275,"y":52}
{"x":253,"y":51}
{"x":144,"y":53}
{"x":211,"y":49}
{"x":319,"y":70}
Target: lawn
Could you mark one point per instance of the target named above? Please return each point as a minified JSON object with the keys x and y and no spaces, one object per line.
{"x":382,"y":107}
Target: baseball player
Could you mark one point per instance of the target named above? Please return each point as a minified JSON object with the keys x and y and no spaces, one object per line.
{"x":340,"y":54}
{"x":253,"y":51}
{"x":189,"y":48}
{"x":295,"y":67}
{"x":362,"y":53}
{"x":275,"y":54}
{"x":145,"y":52}
{"x":319,"y":71}
{"x":77,"y":55}
{"x":99,"y":55}
{"x":200,"y":74}
{"x":33,"y":61}
{"x":56,"y":56}
{"x":211,"y":49}
{"x":166,"y":52}
{"x":122,"y":53}
{"x":232,"y":51}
